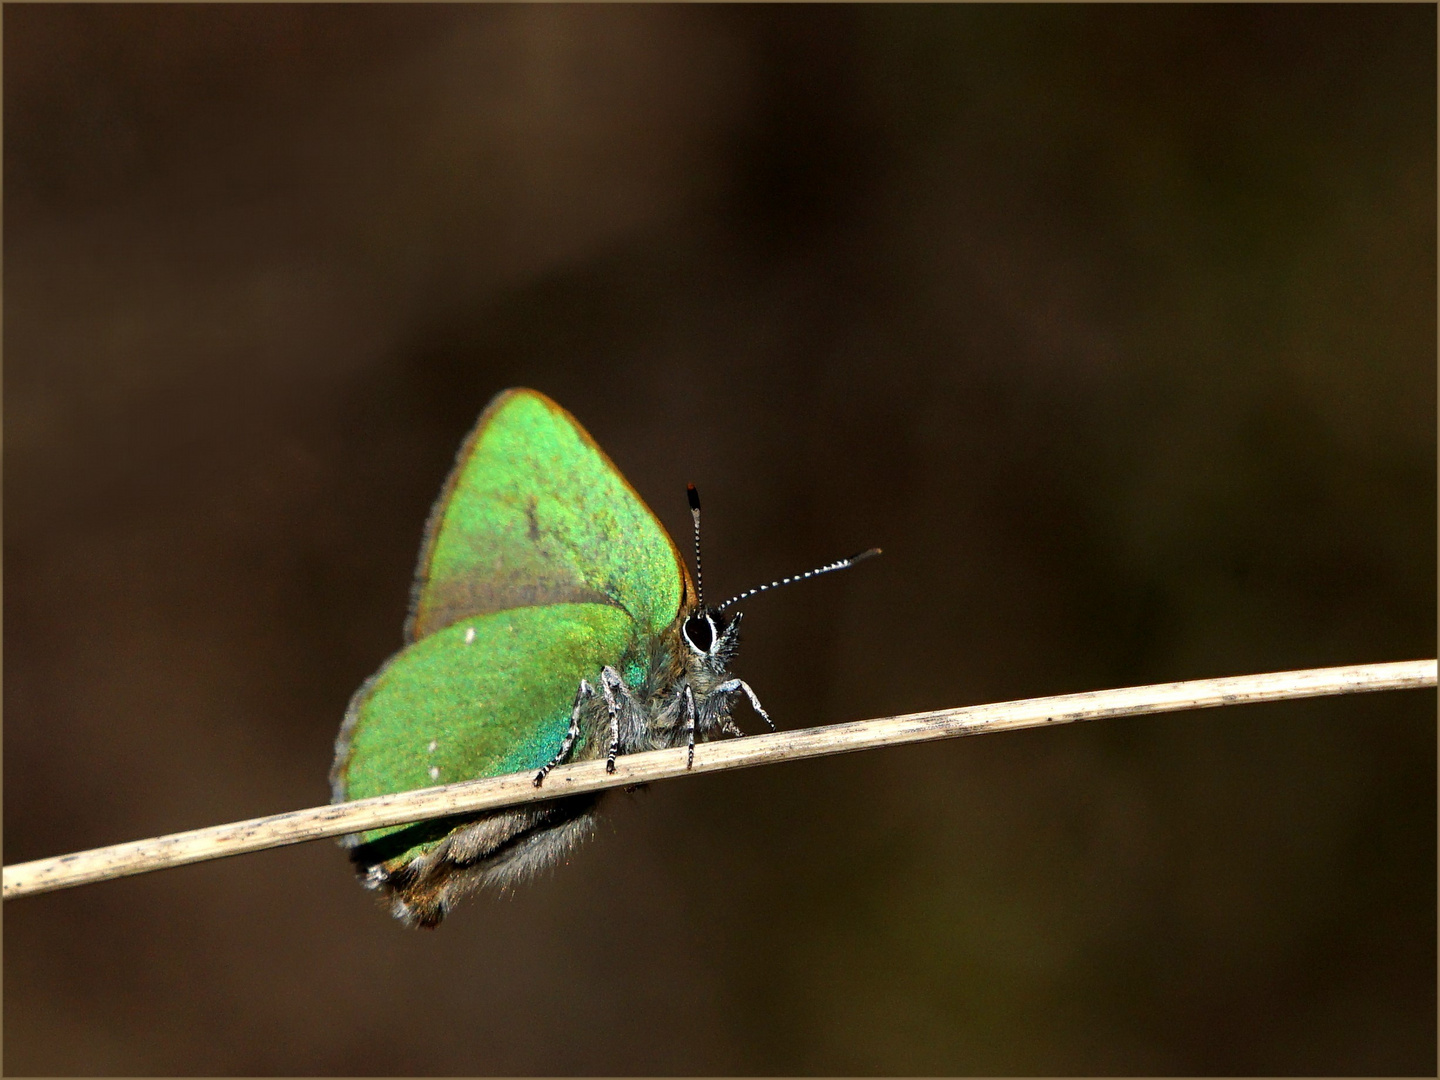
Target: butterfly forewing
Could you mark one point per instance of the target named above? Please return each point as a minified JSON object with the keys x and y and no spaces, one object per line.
{"x":534,"y":514}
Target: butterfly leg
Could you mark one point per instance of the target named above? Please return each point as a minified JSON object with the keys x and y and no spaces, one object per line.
{"x":730,"y":686}
{"x":690,"y":726}
{"x":610,"y":682}
{"x":584,"y":694}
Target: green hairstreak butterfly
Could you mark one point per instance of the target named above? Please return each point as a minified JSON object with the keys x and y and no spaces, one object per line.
{"x":552,"y":619}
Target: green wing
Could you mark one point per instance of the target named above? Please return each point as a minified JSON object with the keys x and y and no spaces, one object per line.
{"x":540,"y":566}
{"x":483,"y":697}
{"x":534,"y":513}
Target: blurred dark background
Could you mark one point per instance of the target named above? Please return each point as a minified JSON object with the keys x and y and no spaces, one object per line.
{"x":1115,"y":327}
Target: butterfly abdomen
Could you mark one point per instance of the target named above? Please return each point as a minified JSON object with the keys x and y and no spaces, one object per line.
{"x":496,"y":850}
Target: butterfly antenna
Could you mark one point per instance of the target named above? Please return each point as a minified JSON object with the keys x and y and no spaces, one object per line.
{"x":694,"y":497}
{"x":839,"y":564}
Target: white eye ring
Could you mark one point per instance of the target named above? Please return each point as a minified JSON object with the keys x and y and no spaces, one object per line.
{"x":714,"y":635}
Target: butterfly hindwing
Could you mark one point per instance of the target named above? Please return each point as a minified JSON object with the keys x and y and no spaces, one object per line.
{"x":483,"y":697}
{"x":533,"y":514}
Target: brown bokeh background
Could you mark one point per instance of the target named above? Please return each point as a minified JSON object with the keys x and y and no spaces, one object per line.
{"x":1115,"y":327}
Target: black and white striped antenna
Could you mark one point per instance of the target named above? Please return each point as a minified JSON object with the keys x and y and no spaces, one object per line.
{"x":694,"y":497}
{"x":839,"y":564}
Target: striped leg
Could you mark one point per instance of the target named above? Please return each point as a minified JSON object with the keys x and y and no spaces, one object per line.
{"x":584,"y":694}
{"x":732,"y":685}
{"x":610,"y":682}
{"x":690,"y":726}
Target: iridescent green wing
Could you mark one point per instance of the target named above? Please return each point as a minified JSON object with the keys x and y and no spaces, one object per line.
{"x":534,"y":513}
{"x":482,"y":697}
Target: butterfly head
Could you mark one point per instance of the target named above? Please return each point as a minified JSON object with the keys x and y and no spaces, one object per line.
{"x":709,"y":635}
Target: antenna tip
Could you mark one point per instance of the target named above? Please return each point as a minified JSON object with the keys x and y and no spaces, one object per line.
{"x":692,"y":495}
{"x":864,"y":554}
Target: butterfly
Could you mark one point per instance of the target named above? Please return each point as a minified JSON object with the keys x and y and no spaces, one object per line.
{"x":552,"y":619}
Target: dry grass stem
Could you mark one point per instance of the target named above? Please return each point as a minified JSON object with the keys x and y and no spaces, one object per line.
{"x":158,"y":853}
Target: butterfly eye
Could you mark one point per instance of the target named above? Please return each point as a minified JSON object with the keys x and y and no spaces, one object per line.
{"x":699,"y":633}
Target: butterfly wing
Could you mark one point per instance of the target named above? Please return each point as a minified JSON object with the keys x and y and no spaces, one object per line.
{"x":533,"y":514}
{"x":540,"y":565}
{"x":482,"y":697}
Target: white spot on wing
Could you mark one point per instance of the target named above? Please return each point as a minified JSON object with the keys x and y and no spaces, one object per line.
{"x":431,"y":747}
{"x":469,"y":635}
{"x":434,"y":773}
